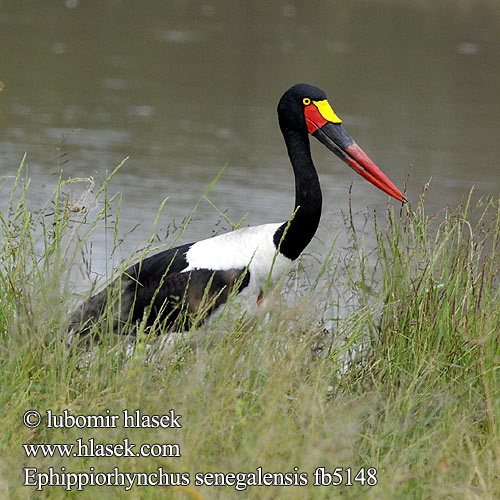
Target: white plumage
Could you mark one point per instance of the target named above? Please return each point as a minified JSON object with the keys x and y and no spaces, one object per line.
{"x":179,"y":280}
{"x":251,"y":247}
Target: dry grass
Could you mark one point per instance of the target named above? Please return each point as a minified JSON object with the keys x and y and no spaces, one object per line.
{"x":406,"y":382}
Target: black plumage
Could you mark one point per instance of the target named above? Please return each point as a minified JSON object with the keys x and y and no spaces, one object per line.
{"x":175,"y":284}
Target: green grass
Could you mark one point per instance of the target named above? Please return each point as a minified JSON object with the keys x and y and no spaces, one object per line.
{"x":405,"y":379}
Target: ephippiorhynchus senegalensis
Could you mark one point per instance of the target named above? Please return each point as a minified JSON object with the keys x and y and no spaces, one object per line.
{"x":247,"y":260}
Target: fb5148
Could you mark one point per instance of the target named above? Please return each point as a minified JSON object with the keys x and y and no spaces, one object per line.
{"x":345,"y":476}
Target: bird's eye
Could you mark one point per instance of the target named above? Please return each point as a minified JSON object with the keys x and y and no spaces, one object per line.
{"x":306,"y":101}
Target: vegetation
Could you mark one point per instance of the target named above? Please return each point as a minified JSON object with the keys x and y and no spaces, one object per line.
{"x":403,"y":377}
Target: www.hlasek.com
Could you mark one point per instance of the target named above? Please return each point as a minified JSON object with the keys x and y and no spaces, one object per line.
{"x":91,"y":448}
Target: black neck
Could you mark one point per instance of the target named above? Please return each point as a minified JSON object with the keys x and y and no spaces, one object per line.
{"x":293,"y":236}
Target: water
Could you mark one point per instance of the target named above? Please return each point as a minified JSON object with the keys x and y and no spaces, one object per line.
{"x":183,"y":88}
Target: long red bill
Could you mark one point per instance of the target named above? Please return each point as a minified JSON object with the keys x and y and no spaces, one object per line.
{"x":360,"y":162}
{"x":336,"y":139}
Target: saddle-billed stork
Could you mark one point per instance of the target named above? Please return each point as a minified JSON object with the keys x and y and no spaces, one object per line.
{"x":246,"y":261}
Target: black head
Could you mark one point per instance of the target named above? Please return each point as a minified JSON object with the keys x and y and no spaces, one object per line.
{"x":291,"y":105}
{"x":304,"y":109}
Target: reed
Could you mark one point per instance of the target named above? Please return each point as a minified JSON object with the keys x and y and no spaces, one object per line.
{"x":406,"y":381}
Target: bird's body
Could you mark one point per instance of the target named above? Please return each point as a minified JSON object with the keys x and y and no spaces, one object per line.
{"x":251,"y":247}
{"x":172,"y":285}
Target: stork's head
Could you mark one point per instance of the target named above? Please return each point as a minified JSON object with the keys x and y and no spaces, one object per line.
{"x":305,"y":109}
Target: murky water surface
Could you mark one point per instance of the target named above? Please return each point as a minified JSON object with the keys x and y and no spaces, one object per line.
{"x":184,"y":88}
